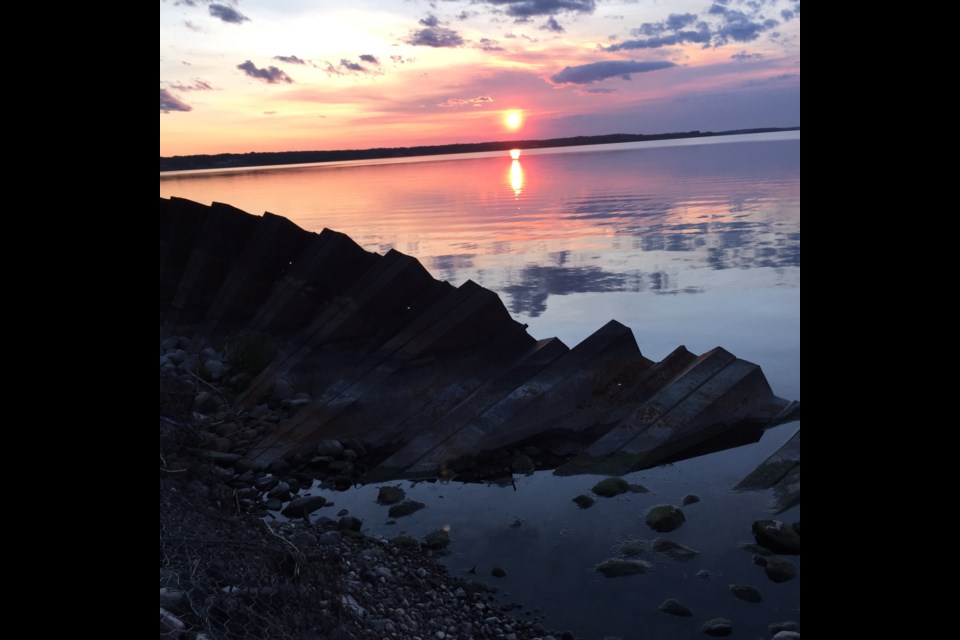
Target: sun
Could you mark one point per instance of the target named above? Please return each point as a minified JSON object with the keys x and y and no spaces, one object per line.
{"x":513,"y":120}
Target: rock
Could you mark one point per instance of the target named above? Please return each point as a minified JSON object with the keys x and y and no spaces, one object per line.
{"x":610,"y":487}
{"x":786,"y":635}
{"x":497,"y":572}
{"x":273,"y":505}
{"x":177,"y":356}
{"x":780,"y":569}
{"x":664,"y":518}
{"x":717,"y":627}
{"x":329,"y":538}
{"x":405,"y":508}
{"x":330,"y":448}
{"x":584,"y":501}
{"x":303,"y":539}
{"x":746,"y":593}
{"x":618,"y":567}
{"x":302,"y":507}
{"x":522,"y":464}
{"x":437,"y":539}
{"x":778,"y":537}
{"x":349,"y":455}
{"x":703,"y":574}
{"x":675,"y":608}
{"x":343,"y":512}
{"x":340,"y":467}
{"x":214,"y":369}
{"x":172,"y":598}
{"x":405,"y":541}
{"x":689,"y":499}
{"x":170,"y":624}
{"x":349,"y":523}
{"x":788,"y":625}
{"x":221,"y":458}
{"x":259,"y":411}
{"x":460,"y":592}
{"x":637,"y":488}
{"x":282,"y":389}
{"x":673,"y":549}
{"x":266,"y":483}
{"x":390,"y":495}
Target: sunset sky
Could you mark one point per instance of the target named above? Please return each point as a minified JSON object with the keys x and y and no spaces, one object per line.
{"x":279,"y":75}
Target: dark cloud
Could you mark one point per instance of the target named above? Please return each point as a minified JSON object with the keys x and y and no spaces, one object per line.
{"x":170,"y":102}
{"x":677,"y":21}
{"x":271,"y":75}
{"x":372,"y":59}
{"x":479,"y":101}
{"x":486,"y":44}
{"x":430,"y":21}
{"x":552,"y":25}
{"x":596,"y":71}
{"x":528,"y":8}
{"x":668,"y":40}
{"x":595,"y":91}
{"x":227,"y":14}
{"x":717,"y":9}
{"x":435,"y":37}
{"x":196,"y":85}
{"x":743,"y":55}
{"x":290,"y":59}
{"x":352,"y":66}
{"x":739,"y":27}
{"x":787,"y":14}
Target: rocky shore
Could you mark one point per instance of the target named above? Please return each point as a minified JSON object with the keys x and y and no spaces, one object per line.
{"x":230,"y":568}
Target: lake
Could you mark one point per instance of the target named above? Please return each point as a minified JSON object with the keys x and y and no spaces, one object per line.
{"x":693,"y":242}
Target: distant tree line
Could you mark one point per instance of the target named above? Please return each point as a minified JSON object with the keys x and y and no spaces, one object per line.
{"x":253,"y":159}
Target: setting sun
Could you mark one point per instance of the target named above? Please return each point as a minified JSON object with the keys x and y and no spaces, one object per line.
{"x":513,"y":120}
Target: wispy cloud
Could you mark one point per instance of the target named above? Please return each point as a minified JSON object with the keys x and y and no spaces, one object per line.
{"x":290,"y":59}
{"x":196,"y":85}
{"x":271,"y":75}
{"x":227,"y":14}
{"x":170,"y":102}
{"x":596,"y":71}
{"x":479,"y":101}
{"x":486,"y":44}
{"x":743,"y":55}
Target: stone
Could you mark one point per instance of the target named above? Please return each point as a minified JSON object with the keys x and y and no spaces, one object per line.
{"x":787,"y":625}
{"x":266,"y":483}
{"x":584,"y":501}
{"x":390,"y":495}
{"x":664,"y":518}
{"x":703,"y":574}
{"x":405,"y":508}
{"x":637,"y":488}
{"x":780,"y":569}
{"x":786,"y":635}
{"x":522,"y":464}
{"x":302,"y":507}
{"x":619,"y":567}
{"x":497,"y":572}
{"x":777,"y":536}
{"x":273,"y":505}
{"x":343,"y":512}
{"x":717,"y":627}
{"x":349,"y":523}
{"x":329,"y":448}
{"x":282,"y":389}
{"x":436,"y":539}
{"x":405,"y":541}
{"x":690,"y":499}
{"x":675,"y":608}
{"x":303,"y":539}
{"x":329,"y":538}
{"x":610,"y":487}
{"x":673,"y":549}
{"x":340,"y":467}
{"x":746,"y":593}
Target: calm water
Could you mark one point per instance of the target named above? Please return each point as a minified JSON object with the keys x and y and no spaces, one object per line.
{"x":693,"y":242}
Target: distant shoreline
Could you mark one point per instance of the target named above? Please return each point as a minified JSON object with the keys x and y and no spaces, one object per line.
{"x":270,"y":158}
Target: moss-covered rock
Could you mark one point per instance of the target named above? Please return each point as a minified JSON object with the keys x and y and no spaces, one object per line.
{"x":664,"y":518}
{"x":673,"y":549}
{"x":390,"y":495}
{"x":405,"y":508}
{"x":436,"y":539}
{"x":746,"y":593}
{"x":584,"y":501}
{"x":618,"y":567}
{"x":780,"y":569}
{"x":611,"y":487}
{"x":777,"y":536}
{"x":675,"y":608}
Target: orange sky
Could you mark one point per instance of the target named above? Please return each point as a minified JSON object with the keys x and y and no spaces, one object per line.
{"x":301,"y":75}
